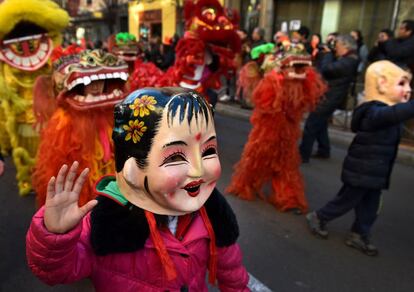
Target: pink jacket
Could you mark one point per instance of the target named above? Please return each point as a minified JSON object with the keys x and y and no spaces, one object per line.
{"x":58,"y":259}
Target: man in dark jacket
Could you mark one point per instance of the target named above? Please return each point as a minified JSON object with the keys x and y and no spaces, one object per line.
{"x":401,"y":49}
{"x":375,"y":54}
{"x":371,"y":155}
{"x":339,"y":72}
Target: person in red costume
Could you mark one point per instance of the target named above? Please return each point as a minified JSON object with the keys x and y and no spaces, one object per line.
{"x":205,"y":53}
{"x":286,"y":92}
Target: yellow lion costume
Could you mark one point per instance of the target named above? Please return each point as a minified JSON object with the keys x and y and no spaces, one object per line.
{"x":29,"y":30}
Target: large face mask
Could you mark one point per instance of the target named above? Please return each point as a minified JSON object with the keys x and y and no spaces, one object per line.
{"x":179,"y":170}
{"x":398,"y":88}
{"x":386,"y":82}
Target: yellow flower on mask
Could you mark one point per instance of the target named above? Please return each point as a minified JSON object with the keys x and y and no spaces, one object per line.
{"x":143,"y":105}
{"x":135,"y":130}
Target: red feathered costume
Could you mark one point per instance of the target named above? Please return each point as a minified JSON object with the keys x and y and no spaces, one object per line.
{"x":271,"y":152}
{"x":205,"y":53}
{"x":86,"y":87}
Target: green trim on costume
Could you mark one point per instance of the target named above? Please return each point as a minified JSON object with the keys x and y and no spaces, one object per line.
{"x":262,"y":49}
{"x":124,"y":38}
{"x":109,"y":186}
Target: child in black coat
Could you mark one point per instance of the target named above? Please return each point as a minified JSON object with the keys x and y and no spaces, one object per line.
{"x":368,"y":165}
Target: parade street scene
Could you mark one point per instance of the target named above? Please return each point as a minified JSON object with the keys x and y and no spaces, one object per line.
{"x":206,"y":145}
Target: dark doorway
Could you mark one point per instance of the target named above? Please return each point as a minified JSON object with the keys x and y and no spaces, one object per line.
{"x":156,"y":29}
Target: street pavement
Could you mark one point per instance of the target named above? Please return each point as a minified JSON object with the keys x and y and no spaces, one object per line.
{"x":278,"y":248}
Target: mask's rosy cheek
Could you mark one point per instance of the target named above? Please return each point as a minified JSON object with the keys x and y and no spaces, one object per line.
{"x":213,"y":169}
{"x":217,"y":170}
{"x":171,"y":179}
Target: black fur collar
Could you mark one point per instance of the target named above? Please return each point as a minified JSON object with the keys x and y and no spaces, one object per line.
{"x":116,"y":228}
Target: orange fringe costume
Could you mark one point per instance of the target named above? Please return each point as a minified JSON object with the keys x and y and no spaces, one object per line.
{"x":249,"y":78}
{"x":72,"y":135}
{"x":78,"y":129}
{"x":271,"y":152}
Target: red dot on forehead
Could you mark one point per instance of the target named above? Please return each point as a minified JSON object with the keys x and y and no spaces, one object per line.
{"x":198,"y":137}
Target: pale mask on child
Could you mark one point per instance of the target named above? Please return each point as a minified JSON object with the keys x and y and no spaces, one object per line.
{"x":386,"y":82}
{"x":182,"y":165}
{"x":399,"y":89}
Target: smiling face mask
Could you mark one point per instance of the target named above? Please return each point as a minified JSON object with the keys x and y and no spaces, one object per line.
{"x":386,"y":82}
{"x":166,"y":150}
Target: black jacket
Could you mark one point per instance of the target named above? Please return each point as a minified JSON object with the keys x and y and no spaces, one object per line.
{"x":375,"y":54}
{"x":372,"y":153}
{"x":399,"y":51}
{"x":339,"y":74}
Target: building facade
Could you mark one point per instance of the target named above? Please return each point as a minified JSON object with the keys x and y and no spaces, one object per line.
{"x":161,"y":18}
{"x":323,"y":16}
{"x":95,"y":20}
{"x":154,"y":18}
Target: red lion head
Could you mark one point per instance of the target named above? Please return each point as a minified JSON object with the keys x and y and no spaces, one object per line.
{"x":212,"y":23}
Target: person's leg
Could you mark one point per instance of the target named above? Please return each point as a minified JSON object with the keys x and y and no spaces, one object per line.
{"x":288,"y":191}
{"x":324,"y":147}
{"x":312,"y":127}
{"x":366,"y":212}
{"x":231,"y":86}
{"x":212,"y":96}
{"x":347,"y":198}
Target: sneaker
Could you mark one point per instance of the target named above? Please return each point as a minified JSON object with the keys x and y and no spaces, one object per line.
{"x":225,"y":97}
{"x":316,"y":226}
{"x":363,"y":244}
{"x":321,"y":156}
{"x":295,"y":211}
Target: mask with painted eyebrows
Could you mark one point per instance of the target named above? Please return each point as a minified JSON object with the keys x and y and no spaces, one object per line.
{"x":165,"y":150}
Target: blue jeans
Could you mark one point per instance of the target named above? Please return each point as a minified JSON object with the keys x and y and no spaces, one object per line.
{"x":364,"y":201}
{"x":316,"y":128}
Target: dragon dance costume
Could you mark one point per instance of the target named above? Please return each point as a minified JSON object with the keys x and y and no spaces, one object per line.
{"x":28,"y":31}
{"x":86,"y":86}
{"x":286,"y":92}
{"x":205,"y":53}
{"x":125,"y":46}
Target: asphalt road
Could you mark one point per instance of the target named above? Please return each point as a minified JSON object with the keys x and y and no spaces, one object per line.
{"x":278,"y":249}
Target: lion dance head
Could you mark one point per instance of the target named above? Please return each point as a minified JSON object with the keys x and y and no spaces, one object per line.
{"x":85,"y":87}
{"x":28,"y":32}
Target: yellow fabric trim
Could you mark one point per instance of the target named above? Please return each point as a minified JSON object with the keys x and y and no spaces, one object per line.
{"x":44,"y":13}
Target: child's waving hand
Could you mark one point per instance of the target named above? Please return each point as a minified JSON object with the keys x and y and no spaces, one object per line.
{"x":62,"y":212}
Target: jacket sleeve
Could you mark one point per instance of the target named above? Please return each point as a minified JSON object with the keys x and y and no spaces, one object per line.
{"x":58,"y":258}
{"x":386,"y":116}
{"x":398,"y":51}
{"x":332,"y":69}
{"x":231,"y":274}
